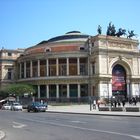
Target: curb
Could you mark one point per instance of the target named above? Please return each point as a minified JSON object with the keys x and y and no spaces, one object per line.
{"x":124,"y":115}
{"x":2,"y":135}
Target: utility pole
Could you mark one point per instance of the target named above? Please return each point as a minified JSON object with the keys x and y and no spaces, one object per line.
{"x":89,"y":71}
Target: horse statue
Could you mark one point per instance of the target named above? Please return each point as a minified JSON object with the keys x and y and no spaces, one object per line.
{"x":120,"y":32}
{"x":131,"y":34}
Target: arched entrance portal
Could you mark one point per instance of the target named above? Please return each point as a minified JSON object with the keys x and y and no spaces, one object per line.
{"x":119,"y":80}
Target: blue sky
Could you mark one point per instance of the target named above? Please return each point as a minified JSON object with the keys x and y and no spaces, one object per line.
{"x":24,"y":23}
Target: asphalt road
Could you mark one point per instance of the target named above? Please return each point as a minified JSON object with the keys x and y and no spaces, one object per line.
{"x":53,"y":126}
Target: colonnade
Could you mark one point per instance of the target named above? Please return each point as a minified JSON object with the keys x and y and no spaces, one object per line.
{"x":79,"y":70}
{"x":48,"y":95}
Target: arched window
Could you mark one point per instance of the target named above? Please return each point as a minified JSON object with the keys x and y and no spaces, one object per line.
{"x":47,"y":49}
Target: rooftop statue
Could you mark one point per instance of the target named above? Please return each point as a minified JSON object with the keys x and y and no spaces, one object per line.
{"x":131,"y":34}
{"x":121,"y":32}
{"x":111,"y":30}
{"x":99,"y":30}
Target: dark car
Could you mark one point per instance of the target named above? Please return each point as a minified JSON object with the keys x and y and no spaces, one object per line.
{"x":37,"y":107}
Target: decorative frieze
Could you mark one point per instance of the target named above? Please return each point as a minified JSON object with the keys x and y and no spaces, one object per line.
{"x":58,"y":81}
{"x":120,"y":45}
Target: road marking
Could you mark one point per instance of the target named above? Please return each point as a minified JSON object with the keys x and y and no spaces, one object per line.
{"x":95,"y":130}
{"x":77,"y":121}
{"x":82,"y":128}
{"x":18,"y":125}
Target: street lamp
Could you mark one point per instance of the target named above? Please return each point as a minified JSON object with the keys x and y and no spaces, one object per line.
{"x":89,"y":70}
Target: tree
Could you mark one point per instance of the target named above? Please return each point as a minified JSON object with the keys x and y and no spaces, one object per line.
{"x":19,"y":89}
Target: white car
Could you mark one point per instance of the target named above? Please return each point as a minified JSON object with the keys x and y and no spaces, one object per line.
{"x":6,"y":107}
{"x":16,"y":106}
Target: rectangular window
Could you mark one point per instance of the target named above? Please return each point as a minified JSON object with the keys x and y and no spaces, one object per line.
{"x":73,"y":66}
{"x":9,"y":54}
{"x":22,"y":70}
{"x":52,"y":67}
{"x":9,"y":74}
{"x":82,"y":69}
{"x":83,"y":66}
{"x":35,"y":71}
{"x":93,"y":69}
{"x":62,"y":67}
{"x":42,"y":67}
{"x":27,"y":69}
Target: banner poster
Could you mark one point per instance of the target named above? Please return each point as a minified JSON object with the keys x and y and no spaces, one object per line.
{"x":118,"y":79}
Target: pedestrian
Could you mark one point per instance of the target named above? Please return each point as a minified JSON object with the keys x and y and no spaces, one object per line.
{"x":119,"y":104}
{"x":134,"y":101}
{"x":98,"y":103}
{"x":94,"y":104}
{"x":123,"y":102}
{"x":115,"y":103}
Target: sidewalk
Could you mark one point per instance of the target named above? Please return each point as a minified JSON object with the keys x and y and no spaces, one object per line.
{"x":85,"y":109}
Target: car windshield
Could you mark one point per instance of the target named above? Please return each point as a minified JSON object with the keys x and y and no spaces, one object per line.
{"x":38,"y":104}
{"x":6,"y":105}
{"x":16,"y":104}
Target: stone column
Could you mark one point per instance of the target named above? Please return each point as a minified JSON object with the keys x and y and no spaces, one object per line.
{"x":57,"y":91}
{"x":68,"y":91}
{"x":25,"y":69}
{"x":20,"y":70}
{"x":31,"y":69}
{"x":110,"y":89}
{"x":38,"y":91}
{"x":67,"y":66}
{"x":38,"y":68}
{"x":47,"y":67}
{"x":79,"y":91}
{"x":57,"y":67}
{"x":78,"y":66}
{"x":47,"y":91}
{"x":128,"y":88}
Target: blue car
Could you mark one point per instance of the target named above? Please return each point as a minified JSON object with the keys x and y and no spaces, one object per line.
{"x":37,"y":107}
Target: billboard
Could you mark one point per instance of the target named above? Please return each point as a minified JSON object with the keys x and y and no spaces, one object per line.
{"x":118,"y":78}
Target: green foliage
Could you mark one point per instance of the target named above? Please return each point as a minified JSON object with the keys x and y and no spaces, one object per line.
{"x":3,"y":94}
{"x":19,"y":89}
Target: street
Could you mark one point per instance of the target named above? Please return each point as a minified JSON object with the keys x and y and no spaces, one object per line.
{"x":52,"y":126}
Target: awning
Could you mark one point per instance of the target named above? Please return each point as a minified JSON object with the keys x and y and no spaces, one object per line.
{"x":2,"y":101}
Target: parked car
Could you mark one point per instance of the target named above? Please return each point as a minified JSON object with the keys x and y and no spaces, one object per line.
{"x":6,"y":106}
{"x":16,"y":106}
{"x":36,"y":107}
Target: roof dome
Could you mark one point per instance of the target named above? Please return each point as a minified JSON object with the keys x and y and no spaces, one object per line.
{"x":69,"y":36}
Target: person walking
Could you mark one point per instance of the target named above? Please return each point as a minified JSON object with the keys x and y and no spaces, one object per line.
{"x":94,"y":104}
{"x":123,"y":102}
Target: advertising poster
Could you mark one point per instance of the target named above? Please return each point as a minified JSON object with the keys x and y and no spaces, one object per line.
{"x":118,"y":79}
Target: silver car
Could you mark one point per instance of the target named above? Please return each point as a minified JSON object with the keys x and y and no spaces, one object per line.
{"x":6,"y":107}
{"x":16,"y":106}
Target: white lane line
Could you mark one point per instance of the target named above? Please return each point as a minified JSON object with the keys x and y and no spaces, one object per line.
{"x":77,"y":121}
{"x":18,"y":125}
{"x":82,"y":128}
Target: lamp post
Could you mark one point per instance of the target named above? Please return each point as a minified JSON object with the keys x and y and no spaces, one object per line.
{"x":128,"y":89}
{"x":89,"y":71}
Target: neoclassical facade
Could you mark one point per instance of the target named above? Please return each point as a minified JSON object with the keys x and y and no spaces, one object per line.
{"x":77,"y":65}
{"x":8,"y":65}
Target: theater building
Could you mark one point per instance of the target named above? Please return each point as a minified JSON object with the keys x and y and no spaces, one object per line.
{"x":78,"y":66}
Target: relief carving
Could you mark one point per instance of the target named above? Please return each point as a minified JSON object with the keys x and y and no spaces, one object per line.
{"x":120,"y":45}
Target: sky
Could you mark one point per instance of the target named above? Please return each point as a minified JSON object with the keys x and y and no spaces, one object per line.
{"x":25,"y":23}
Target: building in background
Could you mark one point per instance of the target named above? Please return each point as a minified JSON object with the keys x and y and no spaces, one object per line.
{"x":8,"y":65}
{"x":76,"y":66}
